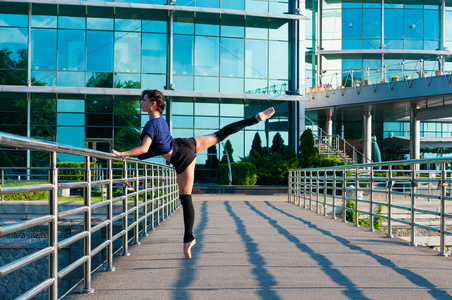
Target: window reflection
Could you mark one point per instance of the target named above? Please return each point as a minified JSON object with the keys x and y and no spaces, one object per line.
{"x":183,"y":54}
{"x":232,"y":59}
{"x":127,"y":52}
{"x":256,"y":59}
{"x":207,"y":56}
{"x":71,"y":50}
{"x":43,"y":49}
{"x":99,"y":52}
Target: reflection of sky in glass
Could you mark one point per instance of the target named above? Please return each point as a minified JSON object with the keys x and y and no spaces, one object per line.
{"x":71,"y":79}
{"x":13,"y":20}
{"x":44,"y":21}
{"x":206,"y":84}
{"x":183,"y":54}
{"x":232,"y":57}
{"x":43,"y":49}
{"x":14,"y":39}
{"x":154,"y":53}
{"x":127,"y":52}
{"x":256,"y":58}
{"x":99,"y":51}
{"x":206,"y":56}
{"x":99,"y":23}
{"x":71,"y":50}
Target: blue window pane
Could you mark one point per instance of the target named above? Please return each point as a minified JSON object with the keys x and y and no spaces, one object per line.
{"x":183,"y":54}
{"x":371,"y":44}
{"x":99,"y":23}
{"x":237,"y":4}
{"x":185,"y":133}
{"x":154,"y":21}
{"x":100,"y":18}
{"x":127,"y":25}
{"x":127,"y":52}
{"x":255,"y":86}
{"x":279,"y":7}
{"x":127,"y":81}
{"x":351,"y":44}
{"x":208,"y":3}
{"x":206,"y":122}
{"x":74,"y":136}
{"x":71,"y":79}
{"x":154,"y":53}
{"x":351,"y":4}
{"x":13,"y":20}
{"x":279,"y":61}
{"x":279,"y":30}
{"x":43,"y":78}
{"x":234,"y":109}
{"x":257,"y":5}
{"x":256,"y":28}
{"x":232,"y":26}
{"x":231,"y":85}
{"x":44,"y":21}
{"x":182,"y":121}
{"x":13,"y":39}
{"x":413,"y":44}
{"x":185,"y":3}
{"x":99,"y":79}
{"x":413,"y":24}
{"x":207,"y":56}
{"x":182,"y":108}
{"x":372,"y":25}
{"x":99,"y":48}
{"x":394,"y":44}
{"x":431,"y":24}
{"x":183,"y":23}
{"x":162,"y":2}
{"x":151,"y":81}
{"x":353,"y":64}
{"x":352,"y":23}
{"x":71,"y":22}
{"x":183,"y":83}
{"x":256,"y":58}
{"x":432,"y":45}
{"x":206,"y":84}
{"x":203,"y":108}
{"x":232,"y":60}
{"x":207,"y":24}
{"x":278,"y":87}
{"x":70,"y":106}
{"x":393,"y":23}
{"x":71,"y":50}
{"x":43,"y":49}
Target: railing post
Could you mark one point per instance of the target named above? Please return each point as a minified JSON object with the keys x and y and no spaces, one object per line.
{"x":334,"y":194}
{"x":356,"y":197}
{"x":109,"y":216}
{"x":389,"y":190}
{"x":413,"y":204}
{"x":153,"y":197}
{"x":145,"y":200}
{"x":317,"y":184}
{"x":344,"y":192}
{"x":87,"y":227}
{"x":53,"y":226}
{"x":136,"y":213}
{"x":3,"y":183}
{"x":371,"y":213}
{"x":325,"y":190}
{"x":289,"y":197}
{"x":158,"y":195}
{"x":125,"y":209}
{"x":443,"y":184}
{"x":310,"y":190}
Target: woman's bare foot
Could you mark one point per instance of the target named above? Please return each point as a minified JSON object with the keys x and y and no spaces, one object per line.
{"x":266,"y":114}
{"x":187,"y":249}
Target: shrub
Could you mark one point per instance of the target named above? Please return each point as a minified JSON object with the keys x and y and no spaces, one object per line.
{"x":44,"y":195}
{"x":331,"y":162}
{"x":243,"y":173}
{"x":71,"y":171}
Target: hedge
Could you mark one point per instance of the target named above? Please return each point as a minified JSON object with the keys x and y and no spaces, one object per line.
{"x":243,"y":173}
{"x":71,"y":171}
{"x":44,"y":195}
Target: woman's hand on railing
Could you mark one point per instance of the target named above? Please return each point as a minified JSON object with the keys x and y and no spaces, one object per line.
{"x":119,"y":154}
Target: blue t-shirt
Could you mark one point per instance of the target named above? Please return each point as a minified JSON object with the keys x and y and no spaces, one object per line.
{"x":162,"y":141}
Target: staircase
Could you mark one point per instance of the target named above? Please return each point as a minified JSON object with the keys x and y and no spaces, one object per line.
{"x":335,"y":146}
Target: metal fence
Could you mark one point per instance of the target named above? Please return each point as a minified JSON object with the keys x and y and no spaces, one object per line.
{"x":398,"y":193}
{"x":149,"y":195}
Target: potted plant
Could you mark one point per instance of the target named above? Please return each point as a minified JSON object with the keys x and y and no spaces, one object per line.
{"x":395,"y":78}
{"x":357,"y":82}
{"x":383,"y":80}
{"x":342,"y":86}
{"x":438,"y":72}
{"x":406,"y":77}
{"x":367,"y":81}
{"x":328,"y":87}
{"x":421,"y":73}
{"x":313,"y":88}
{"x":319,"y":88}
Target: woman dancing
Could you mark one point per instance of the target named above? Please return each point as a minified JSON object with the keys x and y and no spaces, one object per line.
{"x":156,"y":140}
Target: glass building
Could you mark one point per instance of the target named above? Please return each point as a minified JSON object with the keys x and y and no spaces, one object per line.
{"x":362,"y":37}
{"x":73,"y":73}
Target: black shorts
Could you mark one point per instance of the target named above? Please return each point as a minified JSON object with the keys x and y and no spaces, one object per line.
{"x":184,"y":153}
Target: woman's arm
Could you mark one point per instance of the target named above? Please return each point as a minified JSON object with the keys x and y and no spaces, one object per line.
{"x":143,"y":148}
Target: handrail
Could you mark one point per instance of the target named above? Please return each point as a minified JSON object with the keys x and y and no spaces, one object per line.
{"x":354,"y":154}
{"x":396,"y":191}
{"x":153,"y":196}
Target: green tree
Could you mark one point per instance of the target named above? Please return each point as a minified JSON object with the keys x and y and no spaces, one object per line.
{"x":228,"y":146}
{"x":278,"y":145}
{"x":212,"y":159}
{"x":14,"y":71}
{"x":257,"y":145}
{"x":99,"y":79}
{"x":309,"y":154}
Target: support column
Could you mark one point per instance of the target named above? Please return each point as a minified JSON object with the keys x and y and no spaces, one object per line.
{"x":415,"y":133}
{"x":329,"y":125}
{"x":367,"y":134}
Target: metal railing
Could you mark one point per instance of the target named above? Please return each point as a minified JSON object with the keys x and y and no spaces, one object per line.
{"x":394,"y":192}
{"x":149,"y":195}
{"x":335,"y":146}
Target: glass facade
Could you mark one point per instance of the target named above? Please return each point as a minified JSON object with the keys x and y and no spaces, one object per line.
{"x":102,"y":46}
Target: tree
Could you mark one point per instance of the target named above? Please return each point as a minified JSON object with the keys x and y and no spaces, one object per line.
{"x":278,"y":145}
{"x":309,"y":154}
{"x":212,"y":159}
{"x":257,"y":145}
{"x":228,"y":146}
{"x":14,"y":71}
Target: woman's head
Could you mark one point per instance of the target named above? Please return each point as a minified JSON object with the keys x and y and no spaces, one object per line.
{"x":157,"y":96}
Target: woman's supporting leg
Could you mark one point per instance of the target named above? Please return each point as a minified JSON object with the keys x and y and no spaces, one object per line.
{"x":185,"y":182}
{"x":206,"y":141}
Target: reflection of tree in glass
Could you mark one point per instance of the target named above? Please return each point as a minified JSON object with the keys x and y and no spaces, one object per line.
{"x":99,"y":79}
{"x":14,"y":71}
{"x":228,"y":146}
{"x":130,"y":84}
{"x":212,"y":159}
{"x":127,"y":124}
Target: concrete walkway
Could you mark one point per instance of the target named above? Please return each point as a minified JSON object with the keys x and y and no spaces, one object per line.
{"x":262,"y":247}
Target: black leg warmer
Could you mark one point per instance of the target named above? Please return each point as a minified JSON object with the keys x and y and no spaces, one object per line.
{"x":189,"y":217}
{"x":234,"y":127}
